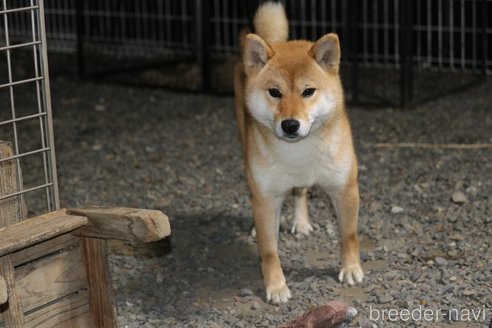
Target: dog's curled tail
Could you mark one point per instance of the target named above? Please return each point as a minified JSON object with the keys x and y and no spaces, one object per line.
{"x":271,"y":23}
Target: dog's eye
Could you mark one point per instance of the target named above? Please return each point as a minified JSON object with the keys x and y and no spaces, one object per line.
{"x":308,"y":92}
{"x":275,"y":93}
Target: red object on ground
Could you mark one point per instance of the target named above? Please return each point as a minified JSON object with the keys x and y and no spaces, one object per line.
{"x":323,"y":316}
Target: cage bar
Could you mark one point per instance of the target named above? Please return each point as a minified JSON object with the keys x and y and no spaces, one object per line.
{"x":28,"y":126}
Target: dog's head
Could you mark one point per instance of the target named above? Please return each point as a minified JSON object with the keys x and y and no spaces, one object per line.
{"x":293,"y":87}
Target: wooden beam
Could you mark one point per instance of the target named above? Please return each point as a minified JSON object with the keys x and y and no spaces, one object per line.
{"x":123,"y":223}
{"x":38,"y":229}
{"x":101,"y":300}
{"x":12,"y":210}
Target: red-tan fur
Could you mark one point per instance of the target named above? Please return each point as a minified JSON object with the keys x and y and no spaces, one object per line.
{"x":322,"y":154}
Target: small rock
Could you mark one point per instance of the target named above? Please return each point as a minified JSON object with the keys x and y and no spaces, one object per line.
{"x":453,"y":278}
{"x":351,"y":313}
{"x":453,"y":253}
{"x":163,"y":202}
{"x":159,"y":278}
{"x":365,"y":324}
{"x":414,"y":275}
{"x":245,"y":292}
{"x":439,"y":209}
{"x":441,"y":261}
{"x":457,"y":237}
{"x":385,"y":299}
{"x":363,"y":256}
{"x":255,"y":306}
{"x":459,"y":198}
{"x":100,"y":107}
{"x":396,"y":209}
{"x":447,"y":289}
{"x":389,"y":275}
{"x":374,"y":207}
{"x":468,"y":292}
{"x":405,"y":304}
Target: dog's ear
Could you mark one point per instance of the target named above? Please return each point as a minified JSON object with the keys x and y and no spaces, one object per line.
{"x":326,"y":52}
{"x":256,"y":51}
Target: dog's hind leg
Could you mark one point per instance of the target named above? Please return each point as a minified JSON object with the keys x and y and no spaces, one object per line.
{"x":301,"y":222}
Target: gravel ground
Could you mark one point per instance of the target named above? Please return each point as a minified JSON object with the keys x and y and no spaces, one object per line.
{"x":425,"y":218}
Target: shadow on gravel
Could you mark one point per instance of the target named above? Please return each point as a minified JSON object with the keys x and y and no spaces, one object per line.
{"x":206,"y":260}
{"x":303,"y":274}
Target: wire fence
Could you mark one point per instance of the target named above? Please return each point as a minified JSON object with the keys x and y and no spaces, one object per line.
{"x":25,"y":107}
{"x":448,"y":34}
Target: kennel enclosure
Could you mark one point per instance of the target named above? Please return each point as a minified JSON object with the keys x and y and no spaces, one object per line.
{"x":391,"y":49}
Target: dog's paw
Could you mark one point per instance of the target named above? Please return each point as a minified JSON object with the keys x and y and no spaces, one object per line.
{"x":278,"y":295}
{"x":302,"y":227}
{"x":351,"y":274}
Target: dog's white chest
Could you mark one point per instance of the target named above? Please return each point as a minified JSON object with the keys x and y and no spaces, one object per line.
{"x":300,"y":164}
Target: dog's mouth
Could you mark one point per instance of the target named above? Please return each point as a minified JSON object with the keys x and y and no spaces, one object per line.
{"x":290,"y":137}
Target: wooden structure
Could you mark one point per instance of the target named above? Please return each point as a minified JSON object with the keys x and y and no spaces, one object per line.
{"x":53,"y":268}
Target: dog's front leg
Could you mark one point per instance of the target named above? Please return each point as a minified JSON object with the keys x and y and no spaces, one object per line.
{"x":266,"y":211}
{"x":346,"y":203}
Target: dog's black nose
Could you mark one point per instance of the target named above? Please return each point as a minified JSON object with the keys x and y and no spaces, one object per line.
{"x":290,"y":126}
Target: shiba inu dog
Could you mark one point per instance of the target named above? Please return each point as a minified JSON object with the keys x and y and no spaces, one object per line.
{"x":295,"y":134}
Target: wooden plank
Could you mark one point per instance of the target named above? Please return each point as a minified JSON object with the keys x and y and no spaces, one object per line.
{"x":32,"y":231}
{"x":3,"y":291}
{"x":101,"y":300}
{"x":12,"y":210}
{"x":123,"y":223}
{"x":11,"y":310}
{"x":71,"y":311}
{"x":50,"y":278}
{"x":42,"y":249}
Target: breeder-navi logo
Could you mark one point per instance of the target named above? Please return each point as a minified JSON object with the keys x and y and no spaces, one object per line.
{"x":429,"y":314}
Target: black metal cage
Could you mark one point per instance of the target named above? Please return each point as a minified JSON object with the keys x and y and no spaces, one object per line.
{"x":392,"y":50}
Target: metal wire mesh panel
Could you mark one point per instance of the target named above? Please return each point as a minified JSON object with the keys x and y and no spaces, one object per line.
{"x":448,"y":33}
{"x":312,"y":19}
{"x":227,"y":18}
{"x":128,"y":27}
{"x":139,"y":28}
{"x":25,"y":106}
{"x":453,"y":34}
{"x":61,"y":25}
